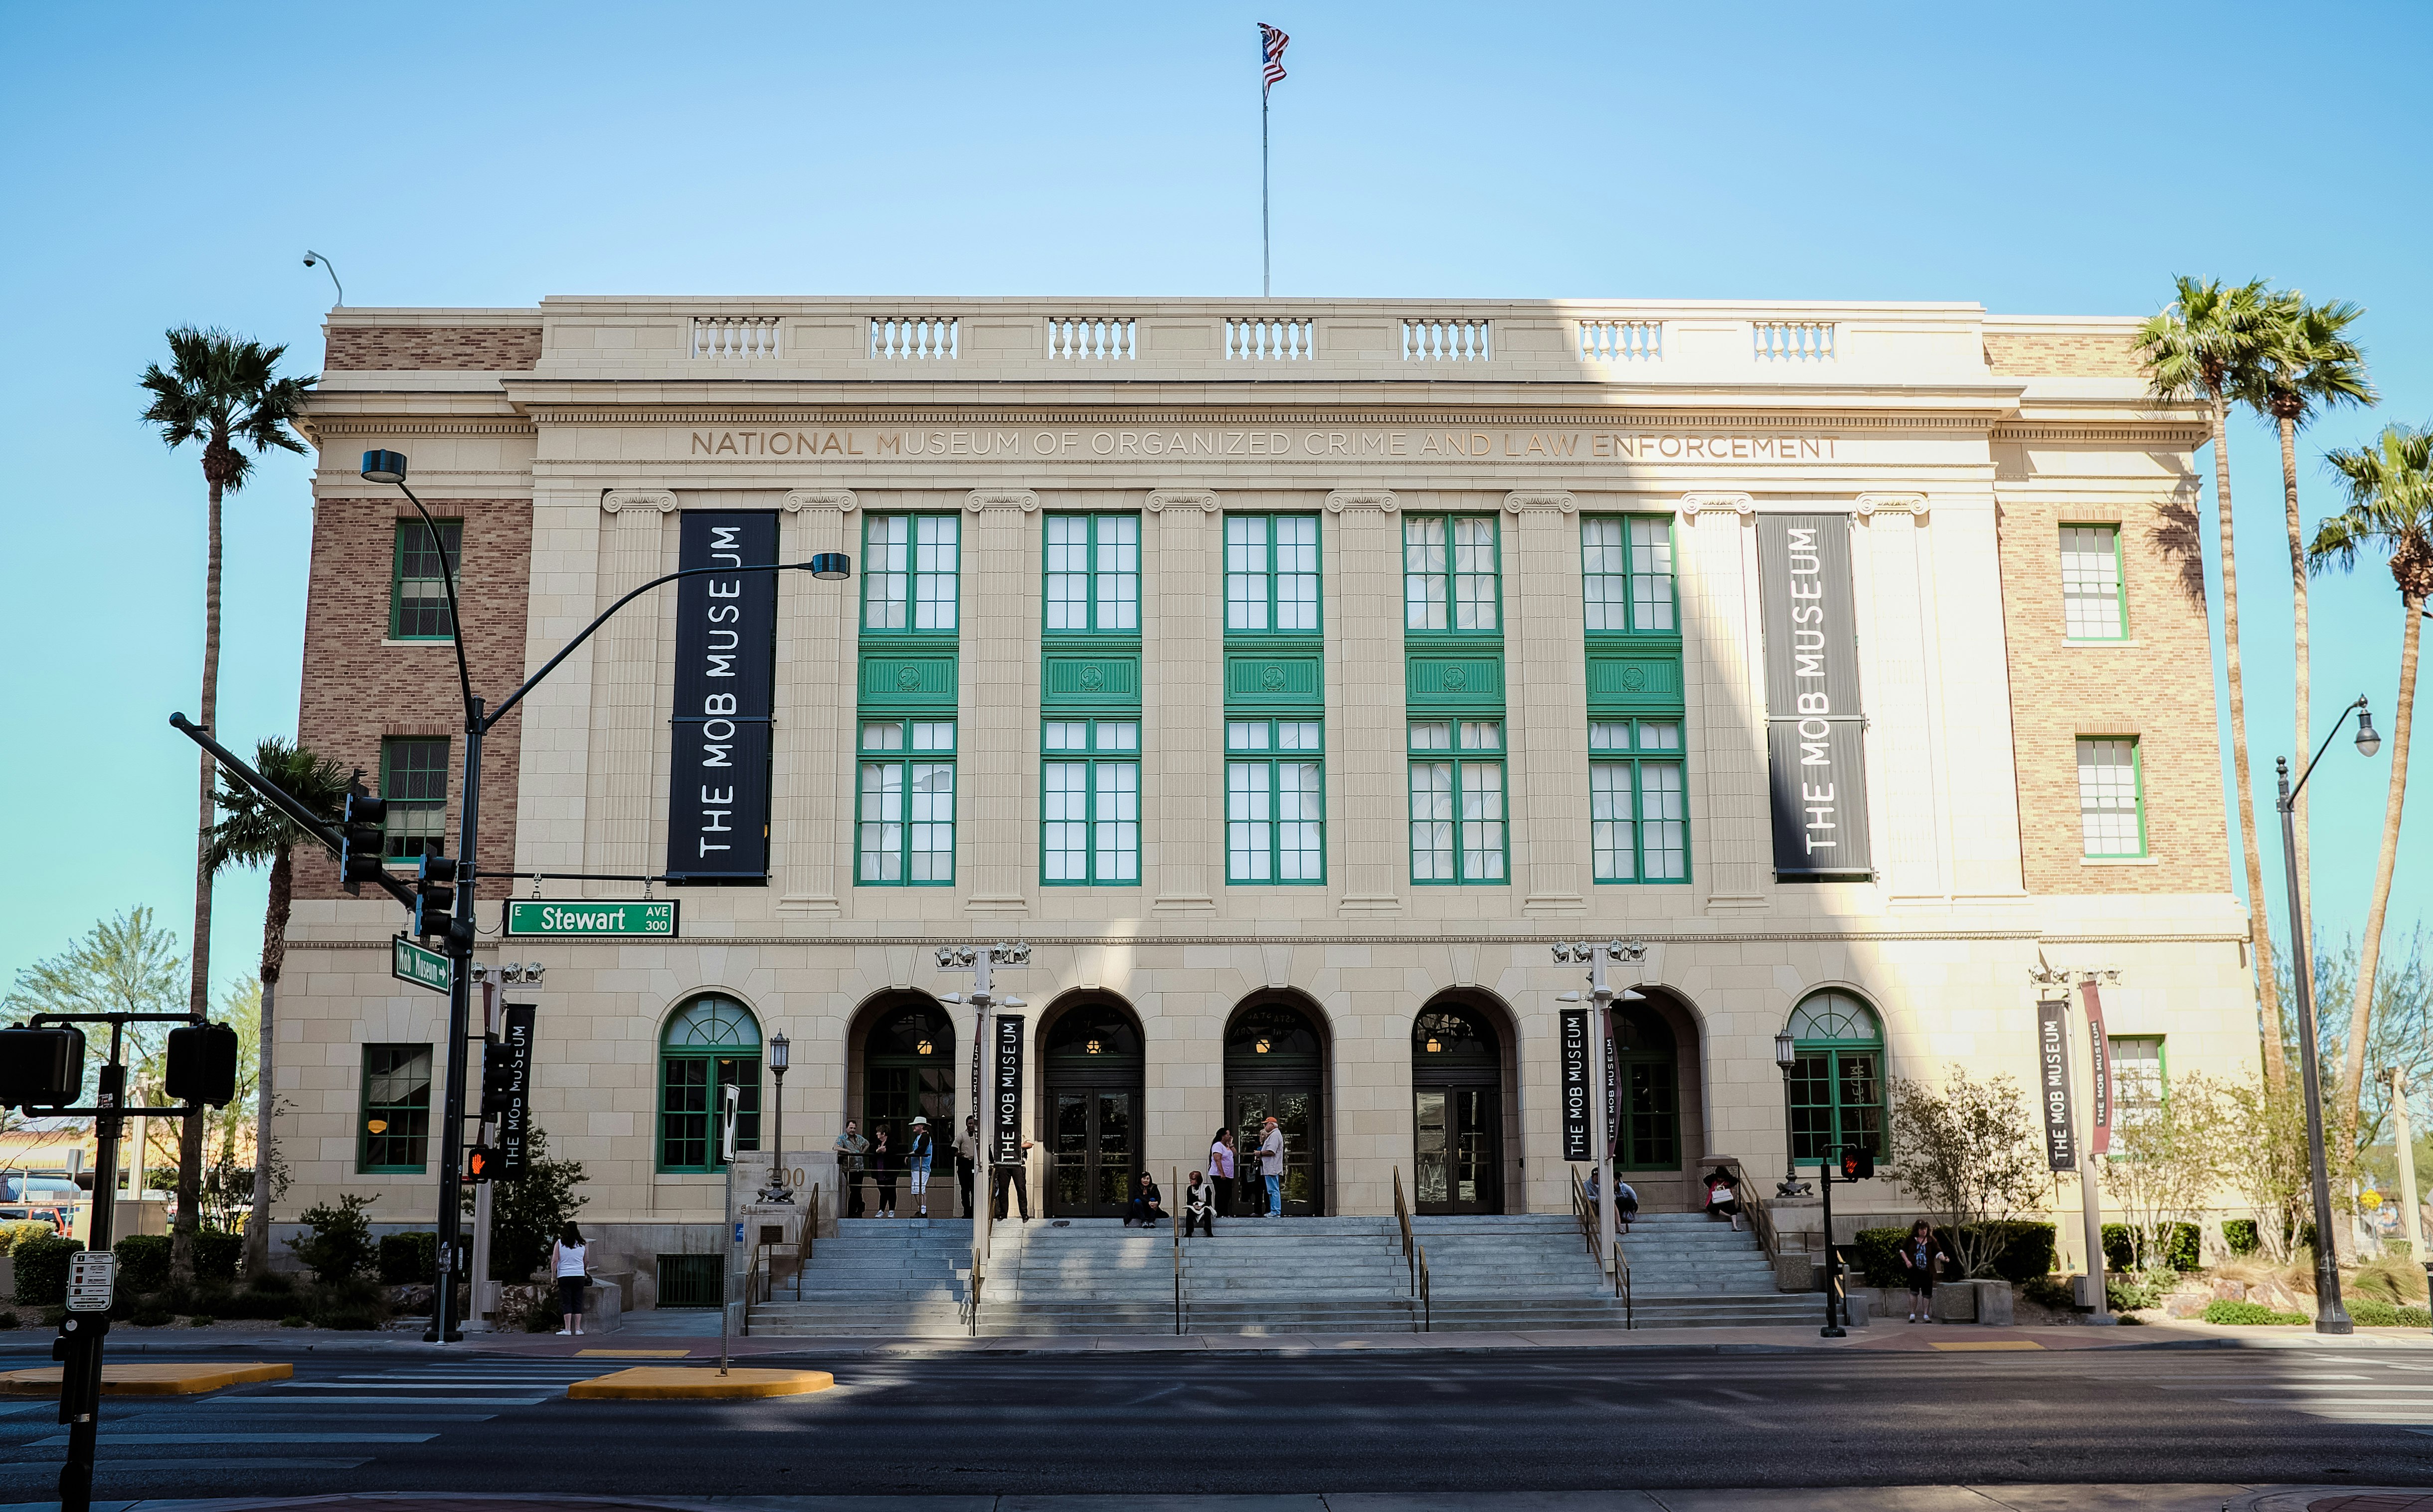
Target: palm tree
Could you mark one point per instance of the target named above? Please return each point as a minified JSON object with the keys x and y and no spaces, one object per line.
{"x":2206,"y":346}
{"x":226,"y":394}
{"x":2308,"y":365}
{"x":2391,"y":505}
{"x":251,"y":833}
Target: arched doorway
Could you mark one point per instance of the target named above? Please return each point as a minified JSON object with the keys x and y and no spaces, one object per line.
{"x":1275,"y":1067}
{"x":1457,"y":1112}
{"x":1092,"y":1064}
{"x":1836,"y":1085}
{"x":1656,"y":1099}
{"x":908,"y":1071}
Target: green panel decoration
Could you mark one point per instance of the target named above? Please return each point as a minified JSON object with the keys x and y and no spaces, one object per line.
{"x":1634,"y":683}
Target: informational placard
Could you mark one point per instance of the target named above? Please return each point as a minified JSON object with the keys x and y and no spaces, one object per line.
{"x":1005,"y":1095}
{"x":514,"y":1144}
{"x":2053,"y":1083}
{"x":2098,"y":1141}
{"x":410,"y":962}
{"x":1576,"y":1143}
{"x":725,"y":680}
{"x":92,"y":1276}
{"x":1814,"y":719}
{"x":577,"y":919}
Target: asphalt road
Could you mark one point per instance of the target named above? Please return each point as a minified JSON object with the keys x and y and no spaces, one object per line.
{"x":1539,"y":1419}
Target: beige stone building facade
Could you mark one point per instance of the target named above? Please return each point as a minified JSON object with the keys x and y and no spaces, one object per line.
{"x":1291,"y":676}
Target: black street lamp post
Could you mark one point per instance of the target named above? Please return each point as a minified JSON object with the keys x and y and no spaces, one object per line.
{"x":2330,"y":1317}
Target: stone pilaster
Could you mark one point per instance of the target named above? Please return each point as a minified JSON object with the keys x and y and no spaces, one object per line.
{"x":811,"y":813}
{"x":997,"y":812}
{"x":1731,"y":819}
{"x":1366,"y":807}
{"x":628,"y":730}
{"x":1182,"y":707}
{"x":1904,"y":735}
{"x":1546,"y":701}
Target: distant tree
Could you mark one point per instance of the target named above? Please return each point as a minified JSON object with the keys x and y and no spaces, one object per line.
{"x":250,"y":832}
{"x":224,"y":392}
{"x":2263,"y":1155}
{"x":527,"y":1213}
{"x":2166,"y":1165}
{"x":1967,"y":1151}
{"x":121,"y":965}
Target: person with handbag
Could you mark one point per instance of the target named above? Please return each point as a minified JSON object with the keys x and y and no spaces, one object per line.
{"x":916,"y":1165}
{"x":1220,"y":1170}
{"x":569,"y":1262}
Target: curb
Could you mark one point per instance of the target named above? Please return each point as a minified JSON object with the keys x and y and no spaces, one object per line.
{"x":658,"y":1382}
{"x":146,"y":1380}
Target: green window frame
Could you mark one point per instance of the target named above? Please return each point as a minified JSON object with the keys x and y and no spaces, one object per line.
{"x":1093,"y":575}
{"x":397,"y":1099}
{"x":911,"y":579}
{"x":1639,"y":802}
{"x":2094,"y":594}
{"x":2141,"y":1076}
{"x":904,"y":831}
{"x":2111,"y":797}
{"x":1628,"y":580}
{"x":417,"y":592}
{"x":709,"y":1042}
{"x":1089,"y":803}
{"x":414,"y":784}
{"x":1460,"y":833}
{"x":1452,"y":574}
{"x":1836,"y":1089}
{"x":1275,"y":801}
{"x":1272,"y":583}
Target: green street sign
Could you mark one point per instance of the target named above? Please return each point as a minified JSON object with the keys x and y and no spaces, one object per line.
{"x":577,"y":920}
{"x":410,"y":962}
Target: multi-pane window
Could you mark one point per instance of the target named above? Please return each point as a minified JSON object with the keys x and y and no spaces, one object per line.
{"x":2091,"y":601}
{"x":2137,"y":1078}
{"x":1449,"y":573}
{"x":710,"y":1044}
{"x":395,"y":1133}
{"x":905,"y":829}
{"x":1457,"y":801}
{"x":2111,"y":810}
{"x":1275,"y":801}
{"x":1627,"y":572}
{"x":1836,"y":1082}
{"x":1093,"y":572}
{"x":1638,"y":817}
{"x":1090,"y":801}
{"x":1272,"y":572}
{"x":910,"y":572}
{"x":417,"y":596}
{"x":413,"y":781}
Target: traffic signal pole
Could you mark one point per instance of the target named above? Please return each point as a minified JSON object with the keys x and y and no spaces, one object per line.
{"x":444,"y":1324}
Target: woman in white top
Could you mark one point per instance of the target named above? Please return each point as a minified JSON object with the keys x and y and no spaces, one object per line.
{"x":569,"y":1260}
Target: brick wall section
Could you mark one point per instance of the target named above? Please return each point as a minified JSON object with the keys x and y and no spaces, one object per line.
{"x":2159,"y":688}
{"x":2060,"y":355}
{"x":358,"y":689}
{"x":445,"y":349}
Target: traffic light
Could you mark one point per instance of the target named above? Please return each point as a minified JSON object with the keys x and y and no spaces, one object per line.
{"x":498,"y":1078}
{"x":361,"y":836}
{"x":202,"y":1064}
{"x":434,"y":895}
{"x":1858,"y":1162}
{"x":481,"y":1163}
{"x":41,"y":1069}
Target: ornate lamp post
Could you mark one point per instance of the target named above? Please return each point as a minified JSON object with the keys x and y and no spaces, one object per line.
{"x":781,"y":1051}
{"x":1786,"y":1055}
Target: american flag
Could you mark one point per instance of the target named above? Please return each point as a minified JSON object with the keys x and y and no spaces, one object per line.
{"x":1271,"y":51}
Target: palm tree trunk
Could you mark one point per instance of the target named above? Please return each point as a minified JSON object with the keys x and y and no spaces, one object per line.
{"x":274,"y":959}
{"x":198,"y":991}
{"x":2362,"y":999}
{"x":2298,"y":621}
{"x":2259,"y":929}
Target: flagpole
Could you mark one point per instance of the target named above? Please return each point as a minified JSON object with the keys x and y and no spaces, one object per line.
{"x":1266,"y":263}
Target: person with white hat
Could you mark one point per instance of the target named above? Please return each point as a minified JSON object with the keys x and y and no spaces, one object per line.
{"x":916,"y":1164}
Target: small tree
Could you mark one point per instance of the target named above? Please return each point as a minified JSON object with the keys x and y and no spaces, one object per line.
{"x":526,"y":1214}
{"x":1969,"y":1152}
{"x":2263,"y":1154}
{"x":339,"y":1249}
{"x":2166,"y":1161}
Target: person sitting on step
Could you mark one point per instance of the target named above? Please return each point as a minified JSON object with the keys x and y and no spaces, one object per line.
{"x":1146,"y":1205}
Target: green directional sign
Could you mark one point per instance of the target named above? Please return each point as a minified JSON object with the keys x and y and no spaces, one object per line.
{"x":551,"y":919}
{"x":410,"y":962}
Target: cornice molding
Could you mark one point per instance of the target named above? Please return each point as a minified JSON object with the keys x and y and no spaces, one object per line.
{"x":1380,"y":500}
{"x":1024,"y":499}
{"x":839,"y":500}
{"x":1183,"y":500}
{"x":1549,"y":500}
{"x":1692,"y":505}
{"x":1583,"y":417}
{"x":1870,"y":505}
{"x":616,"y":500}
{"x":1721,"y":937}
{"x":375,"y":427}
{"x":2139,"y":431}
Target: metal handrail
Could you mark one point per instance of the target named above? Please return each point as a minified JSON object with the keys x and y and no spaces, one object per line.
{"x":811,"y":1238}
{"x":972,"y":1295}
{"x":1586,"y":1212}
{"x":1427,"y":1306}
{"x":1403,"y":1216}
{"x":1175,"y":1229}
{"x":1621,"y":1286}
{"x":1760,"y":1221}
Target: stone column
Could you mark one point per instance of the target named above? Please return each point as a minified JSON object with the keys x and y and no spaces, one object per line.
{"x":1367,"y":807}
{"x":627,"y":733}
{"x":1903,"y":742}
{"x":1546,"y":701}
{"x":1732,"y":823}
{"x":997,"y":812}
{"x":1182,"y":705}
{"x":817,"y":652}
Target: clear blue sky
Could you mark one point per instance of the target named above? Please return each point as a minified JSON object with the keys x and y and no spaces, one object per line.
{"x":170,"y":165}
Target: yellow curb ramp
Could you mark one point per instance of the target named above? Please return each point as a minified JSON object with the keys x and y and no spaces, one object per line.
{"x":666,"y":1383}
{"x":1990,"y":1344}
{"x":146,"y":1380}
{"x":633,"y":1355}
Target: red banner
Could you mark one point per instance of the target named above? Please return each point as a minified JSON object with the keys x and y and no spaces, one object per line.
{"x":2101,"y":1048}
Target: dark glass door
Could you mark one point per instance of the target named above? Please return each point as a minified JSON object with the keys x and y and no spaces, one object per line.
{"x":1298,"y":1111}
{"x":1460,"y":1150}
{"x":1094,"y":1146}
{"x":1648,"y":1137}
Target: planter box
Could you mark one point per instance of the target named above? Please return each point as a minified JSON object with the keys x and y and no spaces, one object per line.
{"x":1993,"y":1302}
{"x":1859,"y":1304}
{"x":1955,"y":1301}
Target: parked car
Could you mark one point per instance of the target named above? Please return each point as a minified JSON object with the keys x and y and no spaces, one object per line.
{"x":55,"y":1217}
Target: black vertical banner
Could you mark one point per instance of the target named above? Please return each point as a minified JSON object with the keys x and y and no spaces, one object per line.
{"x":1577,"y":1144}
{"x":725,"y":683}
{"x":1815,"y":721}
{"x":2053,"y":1083}
{"x":1005,"y":1093}
{"x":514,"y":1142}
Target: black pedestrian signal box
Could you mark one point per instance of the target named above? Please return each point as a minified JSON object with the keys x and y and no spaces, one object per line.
{"x":1858,"y":1164}
{"x":202,"y":1064}
{"x":481,"y":1163}
{"x":41,"y":1069}
{"x":363,"y":836}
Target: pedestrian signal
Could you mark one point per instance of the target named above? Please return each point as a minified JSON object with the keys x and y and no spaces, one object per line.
{"x":481,"y":1163}
{"x":1858,"y":1162}
{"x":202,"y":1064}
{"x":41,"y":1069}
{"x":362,"y":836}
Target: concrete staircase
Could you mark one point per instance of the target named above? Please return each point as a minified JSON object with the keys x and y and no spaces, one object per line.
{"x":895,"y":1276}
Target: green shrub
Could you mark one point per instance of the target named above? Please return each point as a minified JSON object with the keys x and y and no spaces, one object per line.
{"x":2025,"y":1252}
{"x":43,"y":1269}
{"x":408,"y":1258}
{"x":2240,"y":1236}
{"x":1876,"y":1253}
{"x":2127,"y":1295}
{"x":354,"y":1304}
{"x":201,"y":1320}
{"x":217,"y":1254}
{"x":340,"y":1246}
{"x":2048,"y":1291}
{"x":8,"y":1321}
{"x":151,"y":1315}
{"x":296,"y":1321}
{"x":143,"y":1262}
{"x":2185,"y":1250}
{"x":2247,"y":1312}
{"x":2372,"y":1312}
{"x":13,"y":1235}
